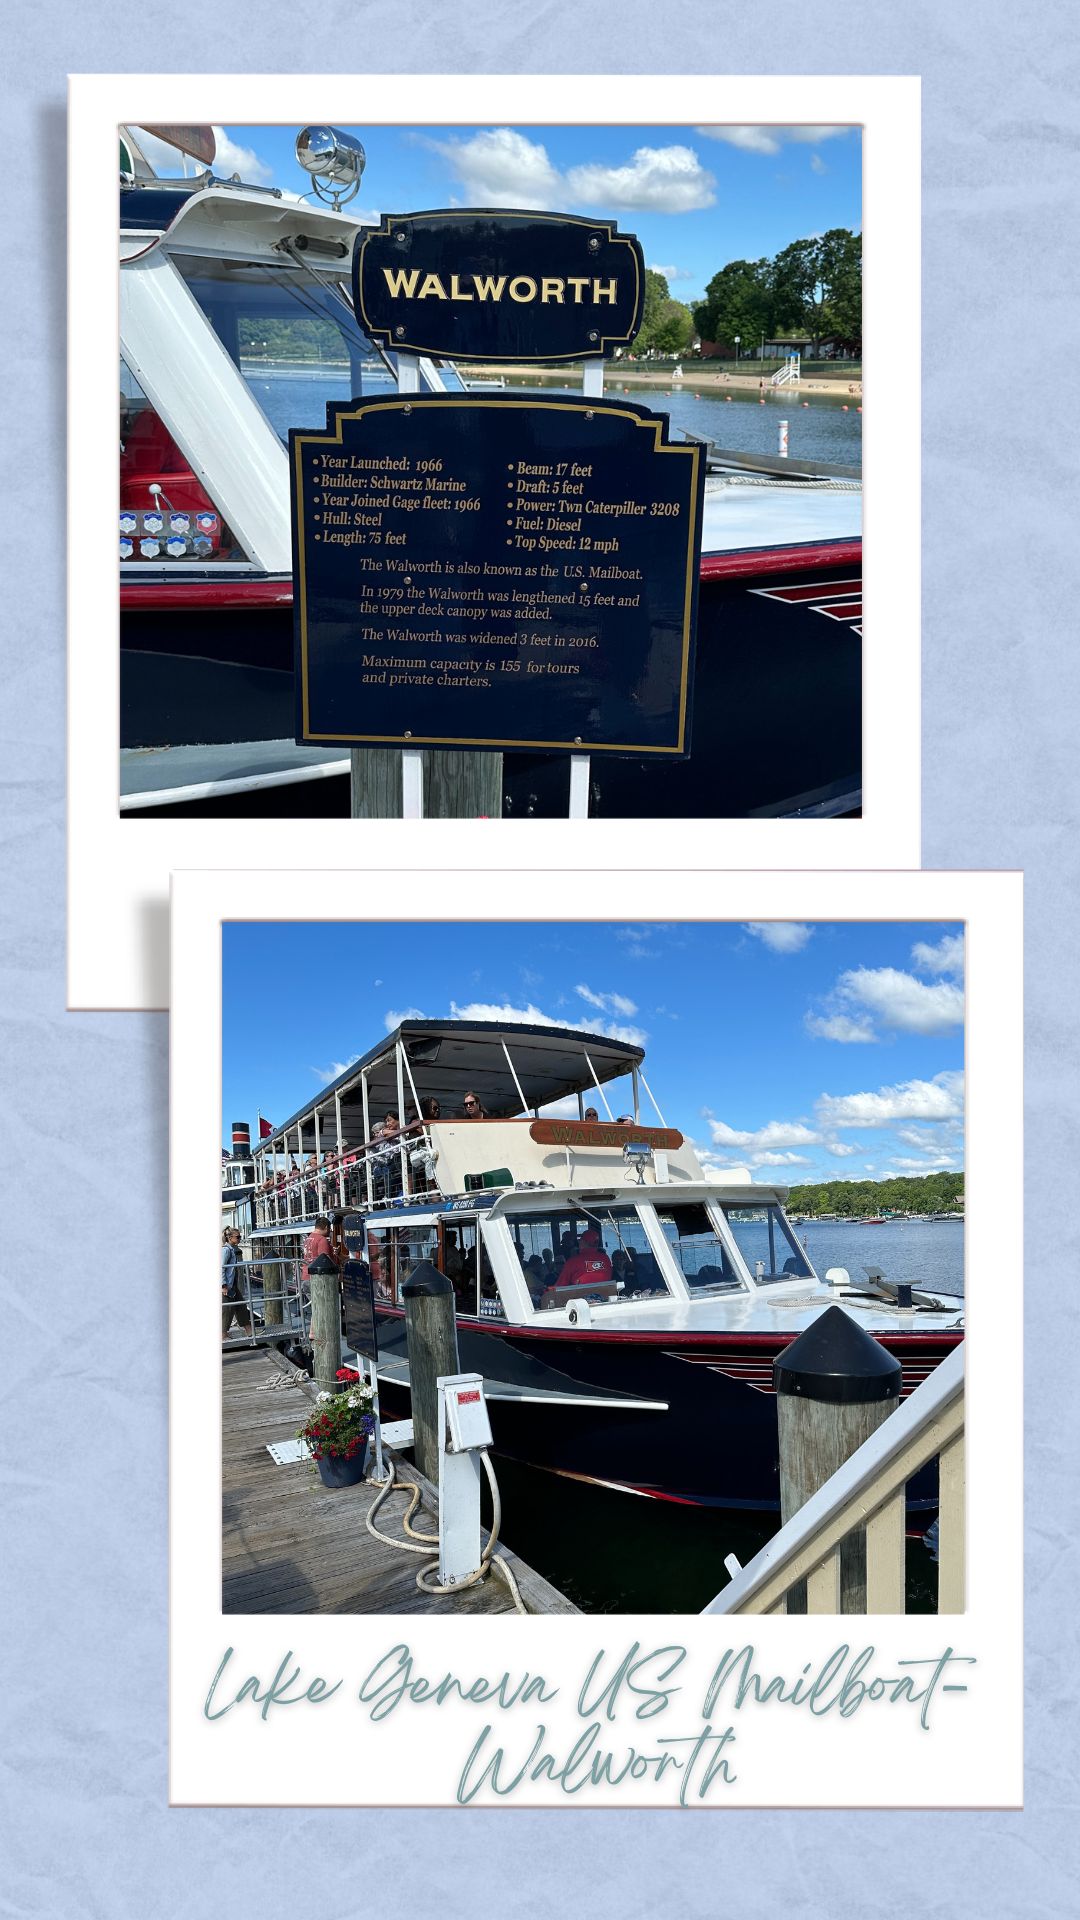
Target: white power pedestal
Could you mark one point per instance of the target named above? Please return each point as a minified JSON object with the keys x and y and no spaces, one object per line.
{"x":464,"y":1431}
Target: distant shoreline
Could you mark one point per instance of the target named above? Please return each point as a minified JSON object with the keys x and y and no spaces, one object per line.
{"x":696,"y":377}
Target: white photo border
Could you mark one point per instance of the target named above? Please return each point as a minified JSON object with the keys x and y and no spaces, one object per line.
{"x":118,"y":867}
{"x":972,"y":1754}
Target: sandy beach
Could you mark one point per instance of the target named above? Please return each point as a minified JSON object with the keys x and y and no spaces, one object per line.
{"x":697,"y":376}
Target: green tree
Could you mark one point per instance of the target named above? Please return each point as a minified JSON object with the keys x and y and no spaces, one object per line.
{"x":817,"y":287}
{"x":673,"y":328}
{"x":656,"y":294}
{"x":738,"y":300}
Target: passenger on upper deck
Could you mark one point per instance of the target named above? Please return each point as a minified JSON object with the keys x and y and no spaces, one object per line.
{"x":591,"y":1114}
{"x":472,"y":1109}
{"x":429,"y":1109}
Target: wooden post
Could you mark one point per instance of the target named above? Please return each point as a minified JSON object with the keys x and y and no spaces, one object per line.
{"x":460,"y":785}
{"x":375,"y":783}
{"x":325,"y":1322}
{"x":431,"y":1334}
{"x":834,"y":1386}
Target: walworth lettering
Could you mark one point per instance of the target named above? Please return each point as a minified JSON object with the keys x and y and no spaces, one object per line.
{"x":404,"y":283}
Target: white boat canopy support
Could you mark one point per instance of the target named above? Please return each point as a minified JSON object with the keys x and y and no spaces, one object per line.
{"x":189,"y":379}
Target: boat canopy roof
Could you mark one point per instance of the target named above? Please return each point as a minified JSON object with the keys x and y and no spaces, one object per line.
{"x":449,"y":1058}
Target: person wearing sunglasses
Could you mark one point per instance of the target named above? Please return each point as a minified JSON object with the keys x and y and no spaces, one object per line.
{"x":472,"y":1108}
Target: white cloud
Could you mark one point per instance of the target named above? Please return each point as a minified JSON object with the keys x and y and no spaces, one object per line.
{"x":841,"y":1026}
{"x":817,"y":164}
{"x":901,"y":1001}
{"x":655,"y":180}
{"x":500,"y":167}
{"x":946,"y":957}
{"x":393,"y":1019}
{"x":769,"y":139}
{"x":531,"y":1016}
{"x":778,"y":1133}
{"x":231,"y":159}
{"x":780,"y":1160}
{"x":608,"y":1002}
{"x":938,"y":1099}
{"x":670,"y":273}
{"x":942,"y":1162}
{"x":335,"y":1069}
{"x":780,"y":936}
{"x":749,"y":139}
{"x":841,"y":1149}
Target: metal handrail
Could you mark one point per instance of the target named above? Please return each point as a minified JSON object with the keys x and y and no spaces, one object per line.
{"x":345,"y":1185}
{"x":295,"y":1309}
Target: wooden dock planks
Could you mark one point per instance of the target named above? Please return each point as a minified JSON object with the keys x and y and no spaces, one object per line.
{"x":291,"y":1545}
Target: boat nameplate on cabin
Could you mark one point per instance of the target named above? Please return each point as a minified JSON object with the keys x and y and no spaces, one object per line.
{"x":601,"y":1133}
{"x":495,"y":571}
{"x":475,"y":283}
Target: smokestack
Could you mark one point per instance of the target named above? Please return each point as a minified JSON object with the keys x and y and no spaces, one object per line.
{"x":241,"y":1140}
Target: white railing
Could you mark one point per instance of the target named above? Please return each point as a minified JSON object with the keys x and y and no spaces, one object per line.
{"x":788,"y":374}
{"x":868,"y":1492}
{"x":323,"y":1189}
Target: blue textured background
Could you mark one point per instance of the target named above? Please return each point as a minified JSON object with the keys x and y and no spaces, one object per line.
{"x":87,"y":1828}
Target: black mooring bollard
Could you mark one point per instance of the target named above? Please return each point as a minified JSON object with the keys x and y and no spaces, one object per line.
{"x":834,"y":1386}
{"x":431,"y":1333}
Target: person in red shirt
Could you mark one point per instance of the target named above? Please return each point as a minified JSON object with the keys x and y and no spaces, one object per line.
{"x":589,"y":1265}
{"x":317,"y":1242}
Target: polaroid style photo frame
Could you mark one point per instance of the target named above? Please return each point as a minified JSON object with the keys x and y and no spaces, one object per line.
{"x":118,"y":861}
{"x":887,"y":1709}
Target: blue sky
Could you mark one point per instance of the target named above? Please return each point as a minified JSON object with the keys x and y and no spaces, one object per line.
{"x":808,"y":1052}
{"x":696,"y":197}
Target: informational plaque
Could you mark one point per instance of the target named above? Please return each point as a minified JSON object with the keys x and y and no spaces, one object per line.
{"x":496,"y":571}
{"x":358,"y":1289}
{"x":476,"y":283}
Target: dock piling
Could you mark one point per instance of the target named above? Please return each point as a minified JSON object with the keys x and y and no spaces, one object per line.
{"x":834,"y":1386}
{"x":431,"y":1333}
{"x":325,"y":1322}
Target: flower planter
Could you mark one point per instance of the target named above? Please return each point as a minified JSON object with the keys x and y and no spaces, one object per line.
{"x":336,"y":1472}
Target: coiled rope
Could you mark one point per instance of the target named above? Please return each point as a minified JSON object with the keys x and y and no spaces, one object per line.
{"x":423,"y":1542}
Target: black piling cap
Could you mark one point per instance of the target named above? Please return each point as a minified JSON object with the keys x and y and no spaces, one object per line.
{"x":835,"y":1360}
{"x":323,"y":1264}
{"x":425,"y":1279}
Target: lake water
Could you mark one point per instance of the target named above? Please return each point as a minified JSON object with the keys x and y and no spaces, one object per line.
{"x":821,"y":430}
{"x":930,"y":1253}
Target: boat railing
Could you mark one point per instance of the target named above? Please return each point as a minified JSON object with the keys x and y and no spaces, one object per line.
{"x":368,"y":1176}
{"x":272,"y":1299}
{"x":868,"y":1492}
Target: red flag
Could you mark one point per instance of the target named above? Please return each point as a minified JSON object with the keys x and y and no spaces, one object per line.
{"x":265,"y":1128}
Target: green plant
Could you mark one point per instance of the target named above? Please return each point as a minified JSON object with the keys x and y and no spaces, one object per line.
{"x":341,"y":1422}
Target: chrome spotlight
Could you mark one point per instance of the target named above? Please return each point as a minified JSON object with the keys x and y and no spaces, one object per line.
{"x":335,"y":162}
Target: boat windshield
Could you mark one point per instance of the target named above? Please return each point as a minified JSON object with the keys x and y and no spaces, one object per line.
{"x":293,"y":337}
{"x":767,"y":1242}
{"x":706,"y":1265}
{"x":596,"y":1253}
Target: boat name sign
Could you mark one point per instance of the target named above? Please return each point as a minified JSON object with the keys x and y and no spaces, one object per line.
{"x":479,"y":284}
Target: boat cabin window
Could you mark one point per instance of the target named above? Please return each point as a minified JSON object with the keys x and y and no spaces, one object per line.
{"x":595,"y":1253}
{"x":767,"y":1243}
{"x":166,"y":514}
{"x":466,"y":1265}
{"x":392,"y":1254}
{"x":706,"y":1265}
{"x":293,"y":337}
